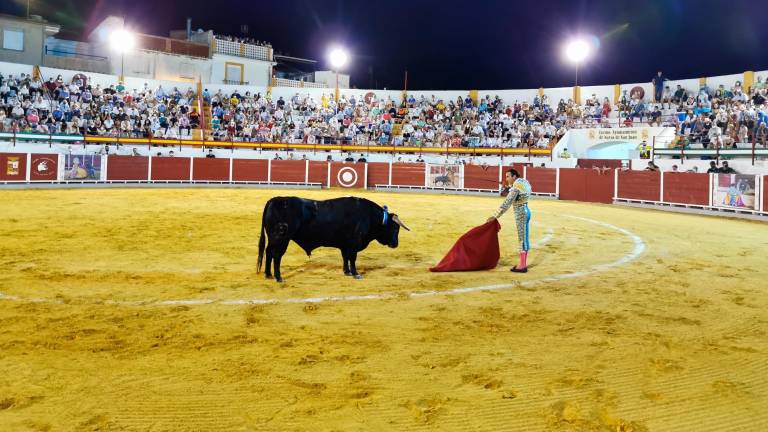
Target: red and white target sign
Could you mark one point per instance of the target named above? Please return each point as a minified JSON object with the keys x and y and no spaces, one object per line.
{"x":350,"y":175}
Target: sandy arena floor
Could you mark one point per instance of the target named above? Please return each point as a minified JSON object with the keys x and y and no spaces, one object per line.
{"x":124,"y":310}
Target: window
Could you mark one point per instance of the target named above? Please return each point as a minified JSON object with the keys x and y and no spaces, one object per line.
{"x":13,"y":40}
{"x":233,"y":72}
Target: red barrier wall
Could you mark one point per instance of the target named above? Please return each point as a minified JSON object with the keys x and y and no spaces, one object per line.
{"x":578,"y":184}
{"x":600,"y":186}
{"x":518,"y":167}
{"x":573,"y":184}
{"x":765,"y":193}
{"x":348,"y":175}
{"x":378,"y":174}
{"x":318,"y":172}
{"x":542,"y":180}
{"x":170,"y":168}
{"x":408,"y":174}
{"x":212,"y":169}
{"x":600,"y":163}
{"x":128,"y":167}
{"x":13,"y":166}
{"x":686,"y":188}
{"x":249,"y":169}
{"x":639,"y":185}
{"x":288,"y":171}
{"x":479,"y":177}
{"x":44,"y":166}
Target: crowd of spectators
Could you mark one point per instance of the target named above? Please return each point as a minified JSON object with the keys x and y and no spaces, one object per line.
{"x":723,"y":117}
{"x":419,"y":122}
{"x":56,"y":107}
{"x":245,"y":40}
{"x":719,"y":117}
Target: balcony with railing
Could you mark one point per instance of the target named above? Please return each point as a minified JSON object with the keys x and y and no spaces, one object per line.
{"x":171,"y":46}
{"x":283,"y":82}
{"x":240,"y":49}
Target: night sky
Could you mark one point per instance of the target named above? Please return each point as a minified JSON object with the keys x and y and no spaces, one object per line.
{"x":462,"y":44}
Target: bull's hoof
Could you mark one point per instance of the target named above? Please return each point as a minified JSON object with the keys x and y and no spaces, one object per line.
{"x":347,"y":273}
{"x":279,"y":280}
{"x":358,"y":276}
{"x":268,"y":276}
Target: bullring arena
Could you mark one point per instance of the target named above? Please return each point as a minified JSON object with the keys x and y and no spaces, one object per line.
{"x":150,"y":316}
{"x":130,"y":298}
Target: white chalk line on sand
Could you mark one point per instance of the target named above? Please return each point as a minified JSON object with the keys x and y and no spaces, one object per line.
{"x":639,"y":248}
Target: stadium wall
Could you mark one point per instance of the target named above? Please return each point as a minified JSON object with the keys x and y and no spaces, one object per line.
{"x":575,"y":184}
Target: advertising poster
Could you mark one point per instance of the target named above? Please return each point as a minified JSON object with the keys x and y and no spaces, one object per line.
{"x":735,"y":191}
{"x":12,"y":166}
{"x":447,"y":176}
{"x":81,"y":167}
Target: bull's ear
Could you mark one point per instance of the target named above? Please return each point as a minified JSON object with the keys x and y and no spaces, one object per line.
{"x":396,"y":219}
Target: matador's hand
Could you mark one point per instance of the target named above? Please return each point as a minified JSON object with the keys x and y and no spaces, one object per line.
{"x":490,"y":219}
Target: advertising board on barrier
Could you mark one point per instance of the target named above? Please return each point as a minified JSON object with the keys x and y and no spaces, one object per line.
{"x":12,"y":165}
{"x":447,"y":176}
{"x":81,"y":167}
{"x":44,"y":167}
{"x":735,"y":191}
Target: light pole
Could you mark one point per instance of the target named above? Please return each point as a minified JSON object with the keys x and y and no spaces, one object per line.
{"x":122,"y":40}
{"x":338,"y":58}
{"x":577,"y":51}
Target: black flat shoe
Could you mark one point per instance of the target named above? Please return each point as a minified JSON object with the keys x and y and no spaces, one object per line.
{"x":517,"y":270}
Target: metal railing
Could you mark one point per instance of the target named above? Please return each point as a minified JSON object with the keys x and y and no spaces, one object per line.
{"x":62,"y":53}
{"x":752,"y":150}
{"x":328,"y":144}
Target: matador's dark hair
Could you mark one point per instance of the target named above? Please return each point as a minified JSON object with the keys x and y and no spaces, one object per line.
{"x":513,"y":172}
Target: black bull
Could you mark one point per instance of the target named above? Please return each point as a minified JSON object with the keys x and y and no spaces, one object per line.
{"x":348,"y":224}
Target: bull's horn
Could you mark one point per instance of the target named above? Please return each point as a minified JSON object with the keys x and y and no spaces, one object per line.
{"x":397,"y":220}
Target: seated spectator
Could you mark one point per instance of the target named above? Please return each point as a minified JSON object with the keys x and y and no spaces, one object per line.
{"x":713,"y":168}
{"x":652,"y":167}
{"x":761,"y":135}
{"x":726,"y":169}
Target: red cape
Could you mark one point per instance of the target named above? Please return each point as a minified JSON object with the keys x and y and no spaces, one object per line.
{"x":478,"y":249}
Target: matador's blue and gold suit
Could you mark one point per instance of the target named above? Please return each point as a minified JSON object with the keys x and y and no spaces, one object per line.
{"x":517,"y":198}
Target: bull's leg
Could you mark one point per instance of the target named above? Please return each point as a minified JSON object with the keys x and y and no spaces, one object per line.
{"x":352,"y":258}
{"x":345,"y":258}
{"x":268,"y":269}
{"x":279,"y":252}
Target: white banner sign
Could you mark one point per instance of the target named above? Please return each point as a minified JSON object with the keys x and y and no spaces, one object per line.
{"x":619,"y":134}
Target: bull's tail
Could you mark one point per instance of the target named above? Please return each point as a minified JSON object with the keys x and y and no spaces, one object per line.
{"x":262,"y":237}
